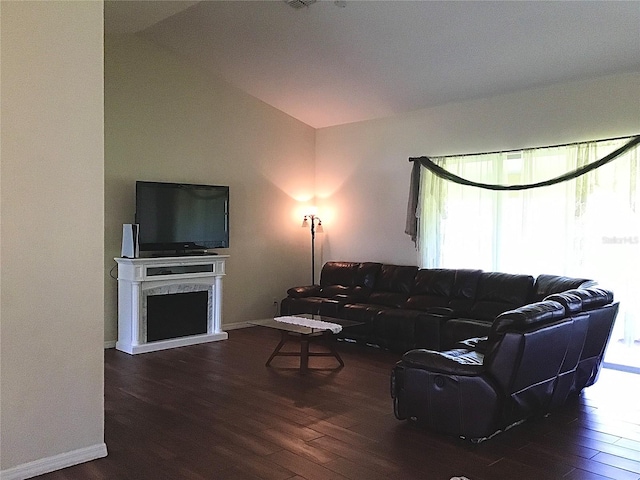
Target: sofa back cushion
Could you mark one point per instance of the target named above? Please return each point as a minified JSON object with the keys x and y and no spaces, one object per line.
{"x":441,"y":287}
{"x":464,"y":291}
{"x":350,"y":280}
{"x":436,"y":282}
{"x":548,"y":284}
{"x":592,"y":297}
{"x":522,"y":319}
{"x":499,"y":292}
{"x":527,"y":317}
{"x":431,"y":288}
{"x":395,"y":279}
{"x":367,"y":274}
{"x":392,"y":286}
{"x":571,"y":302}
{"x":338,"y":273}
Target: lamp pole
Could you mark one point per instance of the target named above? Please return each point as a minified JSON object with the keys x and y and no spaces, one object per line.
{"x":311,"y":218}
{"x":313,"y":252}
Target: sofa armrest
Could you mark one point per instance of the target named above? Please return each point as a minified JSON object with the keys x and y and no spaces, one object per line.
{"x":451,"y":362}
{"x":304,"y":291}
{"x":477,"y":344}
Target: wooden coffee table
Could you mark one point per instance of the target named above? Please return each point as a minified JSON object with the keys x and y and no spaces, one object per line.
{"x":304,"y":336}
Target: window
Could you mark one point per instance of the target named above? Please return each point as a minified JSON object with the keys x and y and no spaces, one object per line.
{"x":587,"y":227}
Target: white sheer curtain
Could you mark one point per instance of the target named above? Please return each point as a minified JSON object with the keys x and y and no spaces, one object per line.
{"x":587,"y":227}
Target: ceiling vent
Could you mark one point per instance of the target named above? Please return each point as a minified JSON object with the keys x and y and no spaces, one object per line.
{"x":299,"y":3}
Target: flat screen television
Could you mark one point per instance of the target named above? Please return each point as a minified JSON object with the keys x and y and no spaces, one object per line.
{"x":181,"y":218}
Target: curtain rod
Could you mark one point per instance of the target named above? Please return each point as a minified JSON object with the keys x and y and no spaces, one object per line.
{"x":412,"y":159}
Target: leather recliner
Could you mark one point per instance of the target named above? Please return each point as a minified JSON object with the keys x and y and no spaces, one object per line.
{"x":526,"y":366}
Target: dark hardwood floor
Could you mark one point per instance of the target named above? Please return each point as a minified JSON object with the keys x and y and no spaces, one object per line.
{"x":214,"y":411}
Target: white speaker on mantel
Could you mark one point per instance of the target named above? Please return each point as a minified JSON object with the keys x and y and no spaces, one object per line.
{"x":130,"y":245}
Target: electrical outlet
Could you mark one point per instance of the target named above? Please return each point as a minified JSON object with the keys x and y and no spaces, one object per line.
{"x":275,"y":301}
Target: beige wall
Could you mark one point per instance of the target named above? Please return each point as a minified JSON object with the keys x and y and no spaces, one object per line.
{"x":63,"y":198}
{"x":51,"y":197}
{"x":362,"y":169}
{"x":166,"y":121}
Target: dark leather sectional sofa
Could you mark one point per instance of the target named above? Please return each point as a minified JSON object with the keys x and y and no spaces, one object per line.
{"x":533,"y":359}
{"x":483,"y":351}
{"x":402,"y":307}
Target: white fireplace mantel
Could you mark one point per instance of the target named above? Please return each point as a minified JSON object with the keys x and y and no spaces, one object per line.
{"x":138,"y":278}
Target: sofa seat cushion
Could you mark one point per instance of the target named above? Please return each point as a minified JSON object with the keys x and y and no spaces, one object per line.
{"x":388,"y":299}
{"x":314,"y":305}
{"x":457,"y":329}
{"x":426,"y":302}
{"x":361,"y":312}
{"x":304,"y":291}
{"x":452,"y":362}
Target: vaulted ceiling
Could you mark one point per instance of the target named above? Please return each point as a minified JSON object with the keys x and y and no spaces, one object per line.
{"x":339,"y":62}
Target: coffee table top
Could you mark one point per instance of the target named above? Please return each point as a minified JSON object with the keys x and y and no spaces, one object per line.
{"x":289,"y":327}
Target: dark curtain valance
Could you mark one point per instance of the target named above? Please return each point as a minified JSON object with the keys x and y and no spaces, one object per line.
{"x":442,"y":173}
{"x":412,"y":222}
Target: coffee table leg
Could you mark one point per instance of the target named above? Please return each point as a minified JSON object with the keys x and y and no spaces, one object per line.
{"x":283,"y":340}
{"x":328,"y":341}
{"x":304,"y":355}
{"x":325,"y":339}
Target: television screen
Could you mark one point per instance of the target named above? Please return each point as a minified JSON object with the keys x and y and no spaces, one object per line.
{"x":182,"y":217}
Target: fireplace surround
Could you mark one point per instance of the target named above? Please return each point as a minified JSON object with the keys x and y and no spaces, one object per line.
{"x":167,"y":302}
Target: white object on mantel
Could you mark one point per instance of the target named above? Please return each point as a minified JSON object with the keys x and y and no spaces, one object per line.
{"x":307,"y":322}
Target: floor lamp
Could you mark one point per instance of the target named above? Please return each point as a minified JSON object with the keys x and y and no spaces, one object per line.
{"x":311,"y":220}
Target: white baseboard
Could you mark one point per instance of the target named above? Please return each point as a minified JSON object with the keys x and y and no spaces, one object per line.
{"x":170,"y":343}
{"x":57,"y":462}
{"x":235,"y":326}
